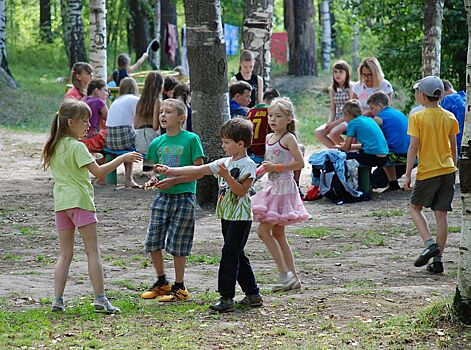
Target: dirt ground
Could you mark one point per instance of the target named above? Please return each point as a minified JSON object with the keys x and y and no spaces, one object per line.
{"x":371,"y":245}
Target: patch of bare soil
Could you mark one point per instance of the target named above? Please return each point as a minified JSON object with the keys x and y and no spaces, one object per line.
{"x":362,"y":270}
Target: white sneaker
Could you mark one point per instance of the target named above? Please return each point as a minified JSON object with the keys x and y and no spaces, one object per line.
{"x":287,"y":282}
{"x":105,"y":306}
{"x":57,"y":306}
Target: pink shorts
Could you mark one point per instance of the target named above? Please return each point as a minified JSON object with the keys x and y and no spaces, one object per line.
{"x":75,"y":217}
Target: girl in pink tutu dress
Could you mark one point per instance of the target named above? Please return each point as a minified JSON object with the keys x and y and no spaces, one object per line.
{"x":279,"y":203}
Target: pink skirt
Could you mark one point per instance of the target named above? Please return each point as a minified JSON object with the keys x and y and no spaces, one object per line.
{"x":279,"y":203}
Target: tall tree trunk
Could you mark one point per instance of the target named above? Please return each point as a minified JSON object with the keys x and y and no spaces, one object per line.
{"x":431,"y":49}
{"x":168,"y":15}
{"x":462,"y":299}
{"x":139,"y":29}
{"x":157,"y":28}
{"x":45,"y":21}
{"x":302,"y":39}
{"x":209,"y":97}
{"x":98,"y":38}
{"x":326,"y":34}
{"x":355,"y":46}
{"x":5,"y":73}
{"x":73,"y":31}
{"x":256,"y":35}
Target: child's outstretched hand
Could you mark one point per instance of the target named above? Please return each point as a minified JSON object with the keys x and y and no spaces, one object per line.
{"x":269,"y":167}
{"x":151,"y":184}
{"x":163,"y":169}
{"x":407,"y":183}
{"x":132,"y":157}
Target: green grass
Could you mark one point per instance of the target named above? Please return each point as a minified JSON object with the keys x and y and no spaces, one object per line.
{"x":11,"y":257}
{"x":315,"y":232}
{"x":386,"y":213}
{"x":203,"y":259}
{"x":371,"y":238}
{"x":454,"y":229}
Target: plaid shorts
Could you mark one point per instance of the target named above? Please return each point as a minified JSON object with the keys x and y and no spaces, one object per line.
{"x":120,"y":137}
{"x":172,"y":224}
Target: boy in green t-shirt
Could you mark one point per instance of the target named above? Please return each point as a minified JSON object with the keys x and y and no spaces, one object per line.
{"x":236,"y":174}
{"x":172,"y":222}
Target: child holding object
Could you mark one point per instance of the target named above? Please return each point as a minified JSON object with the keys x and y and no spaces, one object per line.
{"x":74,"y":207}
{"x":172,"y":222}
{"x":236,"y":174}
{"x":279,"y":203}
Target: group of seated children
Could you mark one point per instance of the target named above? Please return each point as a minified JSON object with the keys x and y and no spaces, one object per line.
{"x":132,"y":121}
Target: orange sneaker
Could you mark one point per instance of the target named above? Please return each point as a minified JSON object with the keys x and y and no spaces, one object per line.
{"x":157,"y":291}
{"x":179,"y":295}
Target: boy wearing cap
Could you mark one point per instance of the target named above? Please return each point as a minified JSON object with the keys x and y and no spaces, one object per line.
{"x":433,"y":138}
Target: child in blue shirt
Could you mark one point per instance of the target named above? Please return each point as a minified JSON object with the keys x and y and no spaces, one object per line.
{"x":372,"y":146}
{"x":239,"y":93}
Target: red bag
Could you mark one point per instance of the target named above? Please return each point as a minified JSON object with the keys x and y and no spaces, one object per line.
{"x":96,"y":143}
{"x":312,"y":193}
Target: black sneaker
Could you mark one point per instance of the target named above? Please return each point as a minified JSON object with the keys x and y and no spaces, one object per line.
{"x":251,"y":301}
{"x":435,"y":267}
{"x":429,"y":252}
{"x":223,"y":305}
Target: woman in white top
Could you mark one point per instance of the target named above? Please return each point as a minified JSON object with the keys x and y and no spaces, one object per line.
{"x":371,"y":80}
{"x":120,"y":133}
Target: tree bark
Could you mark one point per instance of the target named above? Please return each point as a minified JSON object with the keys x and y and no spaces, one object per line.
{"x":73,"y":32}
{"x":302,"y":39}
{"x":168,"y":15}
{"x":157,"y":28}
{"x":208,"y":76}
{"x":355,"y":46}
{"x":45,"y":21}
{"x":98,"y":38}
{"x":431,"y":49}
{"x":256,"y":35}
{"x":138,"y":25}
{"x":462,"y":299}
{"x":8,"y":77}
{"x":326,"y":34}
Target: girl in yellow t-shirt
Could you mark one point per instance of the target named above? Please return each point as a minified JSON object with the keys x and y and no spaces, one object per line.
{"x":70,"y":163}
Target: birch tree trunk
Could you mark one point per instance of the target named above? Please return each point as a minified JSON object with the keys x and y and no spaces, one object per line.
{"x":302,"y":40}
{"x":431,"y":49}
{"x":326,"y":34}
{"x":5,"y":73}
{"x":256,"y":35}
{"x":462,"y":299}
{"x":355,"y":47}
{"x":45,"y":21}
{"x":98,"y":38}
{"x":208,"y":76}
{"x":74,"y":32}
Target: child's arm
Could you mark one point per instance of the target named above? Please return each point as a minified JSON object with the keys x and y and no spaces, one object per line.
{"x":102,"y":170}
{"x":332,"y":106}
{"x":291,"y":144}
{"x":378,"y":120}
{"x":138,"y":63}
{"x":168,"y":182}
{"x":260,"y":89}
{"x":240,"y":189}
{"x":453,"y":148}
{"x":104,"y":116}
{"x":155,"y":116}
{"x":411,"y":155}
{"x":347,"y":146}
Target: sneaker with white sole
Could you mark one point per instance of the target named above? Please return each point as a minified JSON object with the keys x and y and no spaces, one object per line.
{"x":286,"y":283}
{"x":57,"y":306}
{"x":105,"y":306}
{"x":254,"y":300}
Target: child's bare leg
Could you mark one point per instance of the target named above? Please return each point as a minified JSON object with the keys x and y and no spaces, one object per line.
{"x":279,"y":235}
{"x":420,"y":222}
{"x":61,"y":271}
{"x":128,"y":179}
{"x":157,"y":258}
{"x":442,"y":228}
{"x":264,"y":232}
{"x":335,"y":134}
{"x":390,"y":173}
{"x":179,"y":263}
{"x":321,"y":135}
{"x":95,"y":268}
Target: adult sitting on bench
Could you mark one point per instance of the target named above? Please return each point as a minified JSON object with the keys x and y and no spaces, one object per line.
{"x":393,"y":124}
{"x":120,"y":133}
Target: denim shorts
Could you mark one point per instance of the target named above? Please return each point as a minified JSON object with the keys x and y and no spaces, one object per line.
{"x":172,"y":224}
